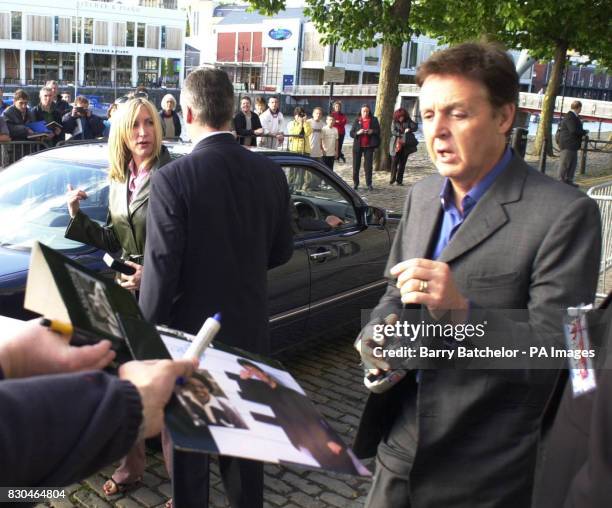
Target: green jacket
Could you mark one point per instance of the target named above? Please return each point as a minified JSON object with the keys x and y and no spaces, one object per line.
{"x":125,"y":228}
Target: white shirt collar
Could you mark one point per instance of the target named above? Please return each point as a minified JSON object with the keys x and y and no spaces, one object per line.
{"x":208,"y":135}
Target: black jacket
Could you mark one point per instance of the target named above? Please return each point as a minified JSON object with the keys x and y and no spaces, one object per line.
{"x":45,"y":442}
{"x":374,"y":137}
{"x":218,"y":220}
{"x":242,"y":131}
{"x":177,"y":123}
{"x":17,"y":123}
{"x":39,"y":115}
{"x":96,"y":126}
{"x":570,"y":132}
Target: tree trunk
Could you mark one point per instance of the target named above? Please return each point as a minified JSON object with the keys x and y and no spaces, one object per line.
{"x":385,"y":101}
{"x":548,"y":105}
{"x":387,"y":88}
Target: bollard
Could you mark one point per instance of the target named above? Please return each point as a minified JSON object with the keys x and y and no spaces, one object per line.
{"x":585,"y":148}
{"x":542,"y":165}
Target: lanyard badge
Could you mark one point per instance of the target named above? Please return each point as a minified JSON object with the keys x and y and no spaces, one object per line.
{"x":577,"y":339}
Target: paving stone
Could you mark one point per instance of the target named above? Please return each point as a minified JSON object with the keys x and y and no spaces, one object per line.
{"x":146,"y":496}
{"x":333,"y":485}
{"x":335,"y":500}
{"x":72,"y":488}
{"x":126,"y":502}
{"x":89,"y":499}
{"x":160,"y":470}
{"x":275,"y":499}
{"x":151,"y":480}
{"x":165,"y":489}
{"x":277,"y":486}
{"x":217,"y":498}
{"x":61,"y":503}
{"x":95,"y":483}
{"x":304,"y":485}
{"x":304,"y":501}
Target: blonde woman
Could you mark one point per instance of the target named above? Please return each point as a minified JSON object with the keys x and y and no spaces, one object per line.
{"x":135,"y":153}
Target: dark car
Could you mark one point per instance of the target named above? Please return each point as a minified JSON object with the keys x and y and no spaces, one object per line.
{"x":333,"y":274}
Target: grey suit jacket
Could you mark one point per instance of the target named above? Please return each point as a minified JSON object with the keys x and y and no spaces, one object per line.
{"x":530,"y":243}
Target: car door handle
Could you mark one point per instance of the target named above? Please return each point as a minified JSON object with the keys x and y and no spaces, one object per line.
{"x":320,"y":256}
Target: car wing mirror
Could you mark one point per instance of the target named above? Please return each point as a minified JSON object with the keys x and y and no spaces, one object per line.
{"x":375,"y":216}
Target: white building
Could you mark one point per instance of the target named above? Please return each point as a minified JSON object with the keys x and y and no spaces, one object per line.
{"x":114,"y":42}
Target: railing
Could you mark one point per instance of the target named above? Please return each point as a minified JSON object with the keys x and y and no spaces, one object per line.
{"x":269,"y":142}
{"x":602,"y":194}
{"x":12,"y":151}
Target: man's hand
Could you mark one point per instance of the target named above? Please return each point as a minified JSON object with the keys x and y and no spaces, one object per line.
{"x":334,"y":221}
{"x":367,"y":341}
{"x":155,"y":381}
{"x":132,"y":282}
{"x":429,"y":283}
{"x":36,"y":350}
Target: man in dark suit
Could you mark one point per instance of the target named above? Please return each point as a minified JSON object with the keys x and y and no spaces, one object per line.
{"x":80,"y":122}
{"x":218,"y":219}
{"x":570,"y":139}
{"x":488,"y":232}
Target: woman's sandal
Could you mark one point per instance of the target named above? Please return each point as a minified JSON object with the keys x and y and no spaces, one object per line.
{"x":112,"y":488}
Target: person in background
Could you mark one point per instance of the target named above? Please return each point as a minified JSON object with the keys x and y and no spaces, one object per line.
{"x":273,"y":124}
{"x":44,"y":442}
{"x":316,"y":125}
{"x":135,"y":153}
{"x":402,"y":143}
{"x":81,"y":123}
{"x":299,"y":130}
{"x":260,"y":105}
{"x":570,"y":139}
{"x":62,"y":106}
{"x":45,"y":111}
{"x":66,"y":97}
{"x":329,"y":142}
{"x":340,"y":121}
{"x":18,"y":116}
{"x":5,"y":135}
{"x":3,"y":104}
{"x":247,"y":124}
{"x":366,"y":138}
{"x":112,"y":109}
{"x":170,"y":121}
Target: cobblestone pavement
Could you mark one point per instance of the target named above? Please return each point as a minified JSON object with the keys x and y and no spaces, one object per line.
{"x":332,"y":380}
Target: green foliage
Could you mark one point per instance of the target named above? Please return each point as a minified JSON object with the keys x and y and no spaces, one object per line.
{"x":354,"y":24}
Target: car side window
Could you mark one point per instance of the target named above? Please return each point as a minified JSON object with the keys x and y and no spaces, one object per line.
{"x":318,"y":204}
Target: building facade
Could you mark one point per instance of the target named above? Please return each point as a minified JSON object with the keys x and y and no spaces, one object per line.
{"x":95,"y":43}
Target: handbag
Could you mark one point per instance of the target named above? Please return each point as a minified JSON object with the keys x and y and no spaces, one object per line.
{"x":410,"y":140}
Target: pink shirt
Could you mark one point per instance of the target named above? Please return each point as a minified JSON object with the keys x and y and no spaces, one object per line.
{"x":138,"y":176}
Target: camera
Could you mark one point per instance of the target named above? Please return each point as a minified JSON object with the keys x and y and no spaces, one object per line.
{"x":81,"y":110}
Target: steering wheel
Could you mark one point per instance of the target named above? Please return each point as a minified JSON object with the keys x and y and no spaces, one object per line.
{"x":306,"y":209}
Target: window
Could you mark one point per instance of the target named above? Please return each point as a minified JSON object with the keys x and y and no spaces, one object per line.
{"x":315,"y":201}
{"x":39,"y":28}
{"x":101,"y":33}
{"x":412,"y":58}
{"x":45,"y":65}
{"x":140,"y":41}
{"x":274,"y":58}
{"x":61,"y":28}
{"x":123,"y":71}
{"x":147,"y":70}
{"x":130,"y":34}
{"x":152,"y":37}
{"x":173,"y":39}
{"x":313,"y":51}
{"x":88,"y":30}
{"x":370,"y":56}
{"x":76,"y":30}
{"x":119,"y":33}
{"x":5,"y":25}
{"x":15,"y":25}
{"x":67,"y":66}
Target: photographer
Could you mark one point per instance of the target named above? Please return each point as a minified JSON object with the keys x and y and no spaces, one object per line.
{"x":81,"y":123}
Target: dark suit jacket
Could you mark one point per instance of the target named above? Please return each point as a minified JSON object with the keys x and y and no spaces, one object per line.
{"x":570,"y":132}
{"x":242,"y":131}
{"x":374,"y":137}
{"x":17,"y":123}
{"x":529,"y":243}
{"x":576,"y":466}
{"x":218,"y":220}
{"x":45,"y":442}
{"x":96,"y":126}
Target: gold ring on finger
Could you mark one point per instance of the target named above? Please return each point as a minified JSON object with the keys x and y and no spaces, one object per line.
{"x":423,"y":285}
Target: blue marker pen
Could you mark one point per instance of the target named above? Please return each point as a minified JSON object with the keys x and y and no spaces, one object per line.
{"x":205,"y":336}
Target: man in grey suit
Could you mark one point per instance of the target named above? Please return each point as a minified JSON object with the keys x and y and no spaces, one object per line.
{"x":488,"y":232}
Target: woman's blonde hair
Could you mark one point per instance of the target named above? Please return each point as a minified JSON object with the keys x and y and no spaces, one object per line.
{"x":121,"y":130}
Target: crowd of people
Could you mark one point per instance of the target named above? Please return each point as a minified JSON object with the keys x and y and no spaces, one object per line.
{"x":441,"y":437}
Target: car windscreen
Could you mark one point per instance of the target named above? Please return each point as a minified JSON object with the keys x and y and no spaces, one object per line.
{"x":33,"y":200}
